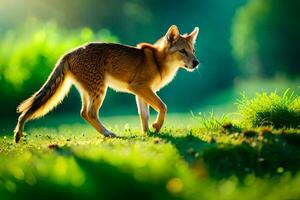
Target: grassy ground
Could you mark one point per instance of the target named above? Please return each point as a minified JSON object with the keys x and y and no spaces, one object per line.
{"x":189,"y":159}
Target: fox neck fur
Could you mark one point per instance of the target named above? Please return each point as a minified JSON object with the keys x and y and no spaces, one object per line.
{"x":166,"y":67}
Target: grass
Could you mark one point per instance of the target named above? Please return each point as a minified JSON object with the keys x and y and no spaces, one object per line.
{"x":210,"y":121}
{"x":271,"y":110}
{"x":193,"y":157}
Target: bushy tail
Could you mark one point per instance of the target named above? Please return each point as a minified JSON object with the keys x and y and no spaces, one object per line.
{"x":44,"y":100}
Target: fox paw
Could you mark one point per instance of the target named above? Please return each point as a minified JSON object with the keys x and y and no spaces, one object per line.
{"x":109,"y":134}
{"x":156,"y":126}
{"x":18,"y":136}
{"x":145,"y":129}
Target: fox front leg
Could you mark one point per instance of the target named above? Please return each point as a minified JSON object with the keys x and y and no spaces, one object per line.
{"x":154,"y":101}
{"x":143,"y":110}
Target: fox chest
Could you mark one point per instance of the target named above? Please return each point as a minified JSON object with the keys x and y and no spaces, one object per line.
{"x":163,"y":80}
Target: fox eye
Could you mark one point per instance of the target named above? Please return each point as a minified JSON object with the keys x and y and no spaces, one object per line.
{"x":183,"y":51}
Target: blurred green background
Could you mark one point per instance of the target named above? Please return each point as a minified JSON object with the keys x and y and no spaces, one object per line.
{"x":242,"y":46}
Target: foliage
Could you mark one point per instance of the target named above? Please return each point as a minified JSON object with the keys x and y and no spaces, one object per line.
{"x":271,"y":110}
{"x":28,"y":54}
{"x":265,"y":37}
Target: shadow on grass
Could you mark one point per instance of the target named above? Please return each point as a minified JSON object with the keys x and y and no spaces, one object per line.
{"x":110,"y":182}
{"x":189,"y":147}
{"x":267,"y":155}
{"x":102,"y":180}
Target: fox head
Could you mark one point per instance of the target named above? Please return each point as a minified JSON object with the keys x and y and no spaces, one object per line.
{"x":179,"y":49}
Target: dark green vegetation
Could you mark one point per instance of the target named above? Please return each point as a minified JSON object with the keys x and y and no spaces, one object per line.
{"x":265,"y":37}
{"x":212,"y":158}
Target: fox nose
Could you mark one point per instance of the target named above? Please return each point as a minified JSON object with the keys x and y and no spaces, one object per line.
{"x":195,"y":63}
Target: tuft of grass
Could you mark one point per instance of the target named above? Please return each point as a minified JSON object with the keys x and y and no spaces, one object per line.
{"x":271,"y":109}
{"x":211,"y":121}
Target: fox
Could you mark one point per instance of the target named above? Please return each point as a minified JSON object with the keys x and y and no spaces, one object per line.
{"x":141,"y":70}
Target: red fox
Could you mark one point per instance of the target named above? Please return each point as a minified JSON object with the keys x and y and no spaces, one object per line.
{"x":93,"y":67}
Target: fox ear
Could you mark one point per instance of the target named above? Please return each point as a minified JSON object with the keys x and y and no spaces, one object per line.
{"x":193,"y":35}
{"x":172,"y":35}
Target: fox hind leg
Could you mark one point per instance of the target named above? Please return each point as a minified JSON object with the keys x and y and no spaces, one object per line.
{"x":90,"y":111}
{"x":19,"y":128}
{"x":84,"y":108}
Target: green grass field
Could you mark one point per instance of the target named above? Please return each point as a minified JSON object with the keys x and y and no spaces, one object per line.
{"x":181,"y":162}
{"x":204,"y":156}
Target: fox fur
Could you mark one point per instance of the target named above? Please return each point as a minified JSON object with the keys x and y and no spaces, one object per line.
{"x":93,"y":67}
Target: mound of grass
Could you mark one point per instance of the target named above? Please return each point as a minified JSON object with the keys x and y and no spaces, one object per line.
{"x":271,"y":109}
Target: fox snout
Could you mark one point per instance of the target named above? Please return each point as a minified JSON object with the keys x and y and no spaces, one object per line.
{"x":190,"y":67}
{"x":195,"y":63}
